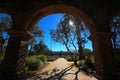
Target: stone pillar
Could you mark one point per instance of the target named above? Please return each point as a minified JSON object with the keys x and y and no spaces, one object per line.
{"x":21,"y":62}
{"x":15,"y":55}
{"x":104,"y":56}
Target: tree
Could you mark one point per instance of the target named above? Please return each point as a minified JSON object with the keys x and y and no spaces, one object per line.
{"x":72,"y":33}
{"x":31,"y":44}
{"x":37,"y":32}
{"x":115,"y":28}
{"x":5,"y":23}
{"x":41,"y":48}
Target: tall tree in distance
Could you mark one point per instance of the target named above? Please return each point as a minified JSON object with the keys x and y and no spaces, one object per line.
{"x":72,"y":33}
{"x":41,"y":48}
{"x":37,"y":32}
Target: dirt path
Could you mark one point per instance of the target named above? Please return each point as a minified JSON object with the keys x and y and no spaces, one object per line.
{"x":60,"y":70}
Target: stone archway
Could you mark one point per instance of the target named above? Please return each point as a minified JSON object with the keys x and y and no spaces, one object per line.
{"x":102,"y":57}
{"x":65,"y":9}
{"x":60,"y":9}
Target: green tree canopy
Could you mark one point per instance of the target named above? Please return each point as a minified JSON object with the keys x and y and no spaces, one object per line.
{"x":37,"y":32}
{"x":72,"y":33}
{"x":41,"y":48}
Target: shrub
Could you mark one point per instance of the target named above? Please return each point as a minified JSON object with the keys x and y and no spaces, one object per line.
{"x":42,"y":57}
{"x":1,"y":57}
{"x":51,"y":59}
{"x":35,"y":61}
{"x":87,"y":66}
{"x":69,"y":59}
{"x":32,"y":63}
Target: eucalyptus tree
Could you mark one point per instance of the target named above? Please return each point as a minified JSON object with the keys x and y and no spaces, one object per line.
{"x":37,"y":33}
{"x":6,"y":23}
{"x":41,"y":48}
{"x":72,"y":33}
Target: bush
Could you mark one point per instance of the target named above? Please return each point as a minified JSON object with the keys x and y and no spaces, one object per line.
{"x":32,"y":63}
{"x":51,"y":59}
{"x":42,"y":57}
{"x":87,"y":66}
{"x":69,"y":59}
{"x":1,"y":57}
{"x":35,"y":61}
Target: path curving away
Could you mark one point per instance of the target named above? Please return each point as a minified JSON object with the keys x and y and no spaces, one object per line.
{"x":60,"y":69}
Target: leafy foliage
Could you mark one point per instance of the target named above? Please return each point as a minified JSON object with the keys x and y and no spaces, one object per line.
{"x":72,"y":33}
{"x":1,"y":57}
{"x":51,"y":58}
{"x":35,"y":61}
{"x":41,"y":47}
{"x":37,"y":33}
{"x":5,"y":22}
{"x":87,"y":65}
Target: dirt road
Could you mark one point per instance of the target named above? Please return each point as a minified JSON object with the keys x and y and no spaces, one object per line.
{"x":60,"y":69}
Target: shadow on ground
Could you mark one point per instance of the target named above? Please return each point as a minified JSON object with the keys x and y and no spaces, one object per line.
{"x":54,"y":74}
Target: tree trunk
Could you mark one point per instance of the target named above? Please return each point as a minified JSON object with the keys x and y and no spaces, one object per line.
{"x":80,"y":51}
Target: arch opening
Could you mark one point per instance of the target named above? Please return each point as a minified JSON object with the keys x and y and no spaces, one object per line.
{"x":64,"y":9}
{"x":5,"y":23}
{"x":59,"y":53}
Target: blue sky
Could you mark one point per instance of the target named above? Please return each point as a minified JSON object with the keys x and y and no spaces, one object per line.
{"x":50,"y":22}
